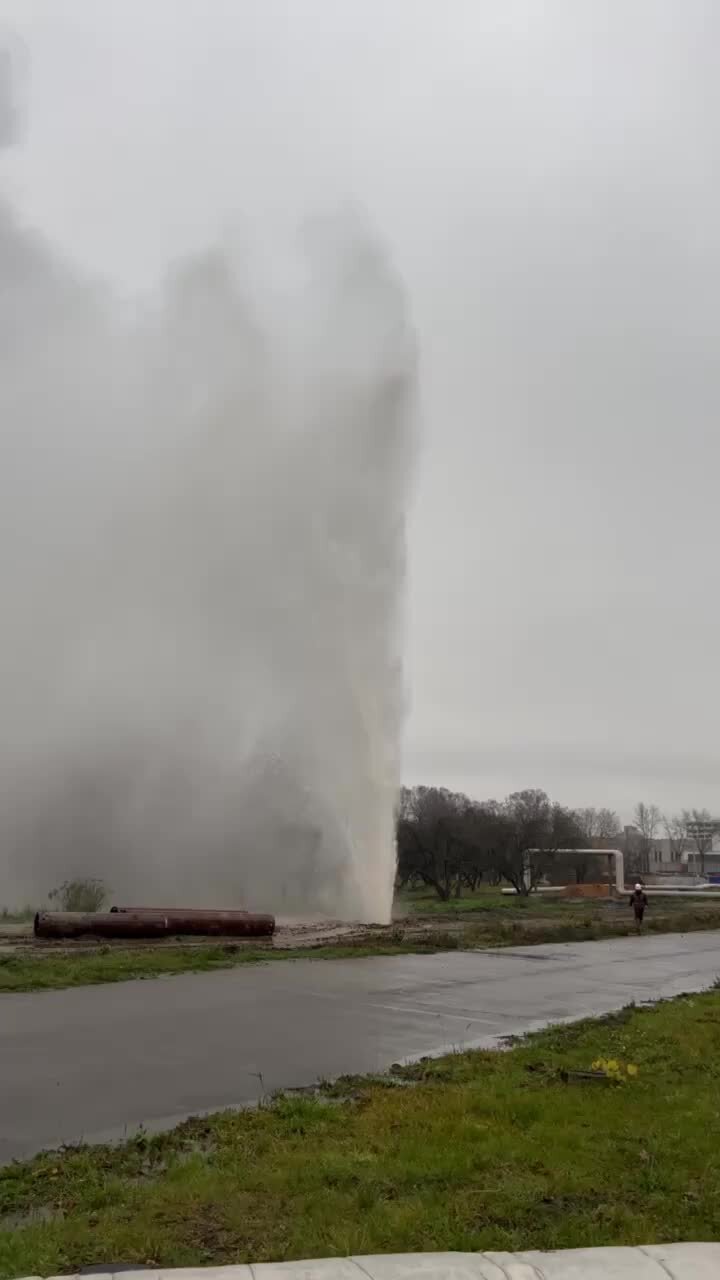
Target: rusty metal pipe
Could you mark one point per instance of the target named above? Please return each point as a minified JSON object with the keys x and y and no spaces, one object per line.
{"x":80,"y":924}
{"x":165,"y":924}
{"x":236,"y":924}
{"x":183,"y":911}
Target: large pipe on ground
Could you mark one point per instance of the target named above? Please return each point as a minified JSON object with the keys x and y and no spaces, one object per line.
{"x":148,"y":924}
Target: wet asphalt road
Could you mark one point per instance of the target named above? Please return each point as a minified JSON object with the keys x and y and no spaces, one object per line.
{"x":96,"y":1062}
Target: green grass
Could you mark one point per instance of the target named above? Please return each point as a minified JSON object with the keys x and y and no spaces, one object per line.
{"x":424,"y":901}
{"x":490,"y":900}
{"x":26,"y":969}
{"x":474,"y":1151}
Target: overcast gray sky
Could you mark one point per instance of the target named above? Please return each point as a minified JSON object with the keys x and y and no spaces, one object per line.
{"x":546,"y":175}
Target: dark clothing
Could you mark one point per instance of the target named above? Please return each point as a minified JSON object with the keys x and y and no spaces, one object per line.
{"x":638,"y":902}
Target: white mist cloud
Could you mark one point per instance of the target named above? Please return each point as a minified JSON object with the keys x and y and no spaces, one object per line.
{"x":202,"y":559}
{"x":545,"y":175}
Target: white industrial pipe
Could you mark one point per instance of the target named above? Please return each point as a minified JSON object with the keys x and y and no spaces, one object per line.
{"x":619,"y":871}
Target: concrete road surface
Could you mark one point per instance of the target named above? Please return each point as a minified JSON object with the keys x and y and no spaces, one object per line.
{"x":95,"y":1062}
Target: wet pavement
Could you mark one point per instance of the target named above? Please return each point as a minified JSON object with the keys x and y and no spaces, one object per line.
{"x":96,"y":1062}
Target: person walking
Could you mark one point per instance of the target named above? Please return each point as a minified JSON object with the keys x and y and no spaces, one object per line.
{"x":638,"y":902}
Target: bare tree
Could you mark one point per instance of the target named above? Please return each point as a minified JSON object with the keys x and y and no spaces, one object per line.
{"x":442,"y":840}
{"x":646,"y":818}
{"x":609,"y":826}
{"x":699,"y":827}
{"x":598,"y":824}
{"x":676,"y":831}
{"x":476,"y":836}
{"x":422,"y":838}
{"x":594,"y":826}
{"x":530,"y":830}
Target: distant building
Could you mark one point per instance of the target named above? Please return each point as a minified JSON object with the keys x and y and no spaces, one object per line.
{"x":658,"y":859}
{"x":700,"y":852}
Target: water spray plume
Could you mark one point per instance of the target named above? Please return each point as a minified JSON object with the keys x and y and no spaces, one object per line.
{"x":202,"y":564}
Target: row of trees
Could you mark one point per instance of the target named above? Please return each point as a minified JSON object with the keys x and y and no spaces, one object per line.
{"x":449,"y":842}
{"x":689,"y":831}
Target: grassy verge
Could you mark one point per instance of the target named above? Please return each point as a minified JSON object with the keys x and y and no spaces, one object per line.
{"x":29,"y":971}
{"x":489,"y":900}
{"x":24,"y":969}
{"x":486,"y":898}
{"x":474,"y":1151}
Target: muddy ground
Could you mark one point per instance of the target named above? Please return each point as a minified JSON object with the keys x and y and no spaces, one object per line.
{"x":485,"y":921}
{"x":289,"y":935}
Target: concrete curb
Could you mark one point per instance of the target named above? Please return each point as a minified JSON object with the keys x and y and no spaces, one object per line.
{"x":653,"y":1262}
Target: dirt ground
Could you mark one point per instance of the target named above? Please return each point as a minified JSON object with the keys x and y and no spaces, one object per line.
{"x":418,"y":920}
{"x":289,"y":935}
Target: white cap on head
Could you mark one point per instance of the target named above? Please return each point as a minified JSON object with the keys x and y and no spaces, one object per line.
{"x":638,"y":886}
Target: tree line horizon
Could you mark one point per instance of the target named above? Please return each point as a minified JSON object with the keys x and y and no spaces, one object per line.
{"x":451,"y":843}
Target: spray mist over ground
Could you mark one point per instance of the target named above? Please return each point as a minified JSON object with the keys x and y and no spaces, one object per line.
{"x":201,"y":558}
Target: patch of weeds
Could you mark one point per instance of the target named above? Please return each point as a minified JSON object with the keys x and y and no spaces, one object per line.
{"x":86,"y":895}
